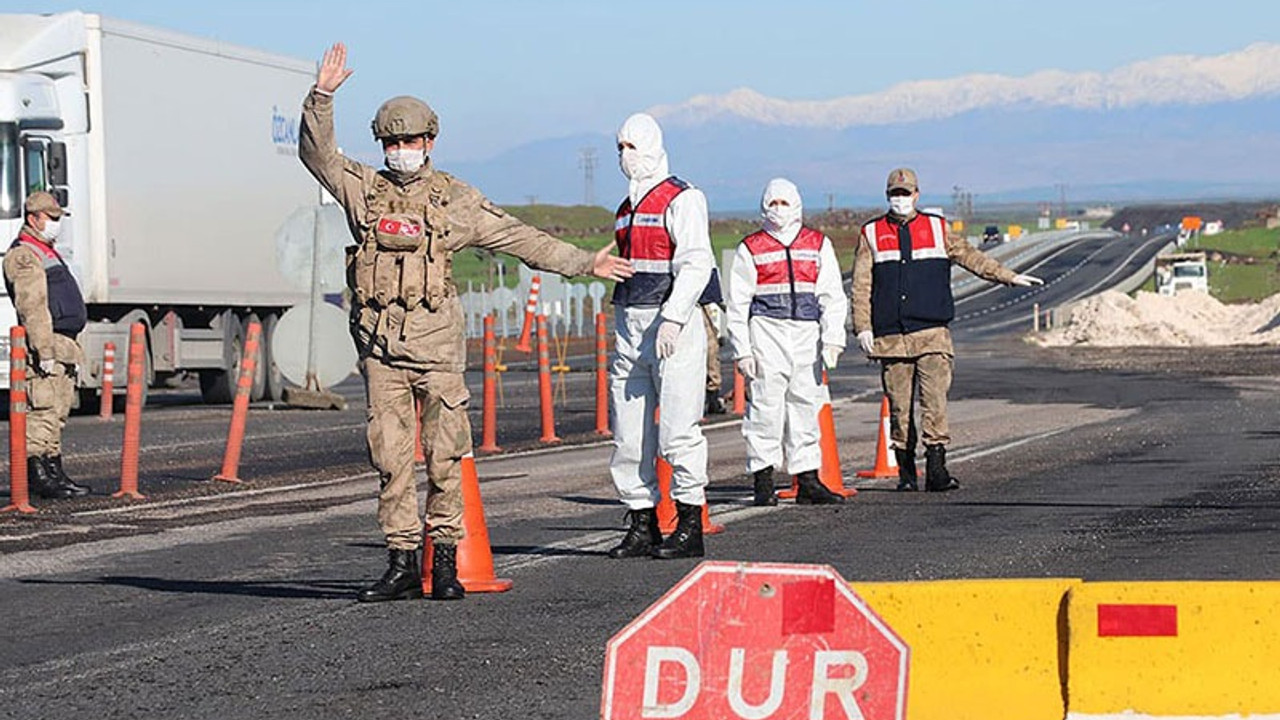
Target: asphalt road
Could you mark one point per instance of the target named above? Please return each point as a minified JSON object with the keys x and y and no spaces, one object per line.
{"x":235,"y":602}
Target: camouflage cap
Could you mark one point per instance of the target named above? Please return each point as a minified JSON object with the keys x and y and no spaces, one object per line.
{"x":902,"y":178}
{"x":405,"y":116}
{"x":43,"y":202}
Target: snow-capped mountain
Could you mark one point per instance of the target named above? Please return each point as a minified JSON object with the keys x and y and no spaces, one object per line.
{"x":1172,"y":80}
{"x":1178,"y":126}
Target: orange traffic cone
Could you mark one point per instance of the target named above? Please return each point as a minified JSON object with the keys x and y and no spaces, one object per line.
{"x":530,"y":310}
{"x":475,"y":558}
{"x":886,"y":463}
{"x":667,"y":506}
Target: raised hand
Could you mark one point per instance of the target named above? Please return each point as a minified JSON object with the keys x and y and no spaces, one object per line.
{"x":333,"y":69}
{"x":611,"y":267}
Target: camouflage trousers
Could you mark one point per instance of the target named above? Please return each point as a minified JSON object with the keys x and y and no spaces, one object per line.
{"x":713,"y":352}
{"x":394,"y":395}
{"x":49,"y":397}
{"x":927,"y":377}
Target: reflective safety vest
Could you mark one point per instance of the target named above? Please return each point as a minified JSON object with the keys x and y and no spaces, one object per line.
{"x":66,"y":304}
{"x":786,"y":276}
{"x":910,"y":275}
{"x":643,"y":238}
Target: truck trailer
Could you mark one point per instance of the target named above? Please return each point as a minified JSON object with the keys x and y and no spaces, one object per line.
{"x":176,"y":158}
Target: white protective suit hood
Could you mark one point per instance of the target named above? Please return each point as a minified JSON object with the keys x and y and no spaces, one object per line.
{"x":646,"y":166}
{"x":782,"y":221}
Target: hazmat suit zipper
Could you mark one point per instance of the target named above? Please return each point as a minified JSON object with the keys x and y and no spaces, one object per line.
{"x":791,"y":280}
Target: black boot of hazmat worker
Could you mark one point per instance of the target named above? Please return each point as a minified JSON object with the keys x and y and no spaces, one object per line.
{"x":444,"y":573}
{"x":642,"y":535}
{"x":811,"y":491}
{"x":686,"y":541}
{"x":907,"y":475}
{"x":764,"y":488}
{"x":55,"y":467}
{"x":714,"y":405}
{"x":401,"y":581}
{"x":936,"y":477}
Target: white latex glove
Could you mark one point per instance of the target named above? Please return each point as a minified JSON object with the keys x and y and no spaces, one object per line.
{"x":47,"y":366}
{"x":668,"y":333}
{"x":1026,"y":280}
{"x":867,"y":341}
{"x":830,"y":354}
{"x":747,"y":366}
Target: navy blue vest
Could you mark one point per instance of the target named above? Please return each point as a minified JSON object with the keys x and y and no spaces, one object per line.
{"x":911,"y":274}
{"x":66,"y":304}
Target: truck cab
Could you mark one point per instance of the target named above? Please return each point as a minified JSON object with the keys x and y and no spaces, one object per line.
{"x":32,"y":158}
{"x":1182,"y":272}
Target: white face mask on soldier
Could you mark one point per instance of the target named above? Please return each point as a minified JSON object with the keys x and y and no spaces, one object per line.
{"x":902,"y":205}
{"x":402,"y":159}
{"x":52,"y":228}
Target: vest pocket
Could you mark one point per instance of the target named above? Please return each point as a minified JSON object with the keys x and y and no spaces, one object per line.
{"x":386,"y":277}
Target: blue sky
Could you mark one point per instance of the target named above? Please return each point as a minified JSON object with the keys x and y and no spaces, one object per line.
{"x":502,"y":72}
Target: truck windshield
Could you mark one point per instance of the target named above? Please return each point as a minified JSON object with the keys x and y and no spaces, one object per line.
{"x":10,"y":190}
{"x":1188,"y":271}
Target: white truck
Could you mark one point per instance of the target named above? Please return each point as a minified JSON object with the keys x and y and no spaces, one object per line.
{"x":1181,"y":272}
{"x":177,"y":160}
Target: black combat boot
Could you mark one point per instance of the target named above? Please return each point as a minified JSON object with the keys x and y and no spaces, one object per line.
{"x":811,"y":491}
{"x":401,"y":581}
{"x":42,"y":481}
{"x":714,"y":405}
{"x":642,"y":535}
{"x":764,"y":488}
{"x":444,"y":573}
{"x":907,"y":475}
{"x":936,"y":477}
{"x":55,"y":467}
{"x":686,"y":541}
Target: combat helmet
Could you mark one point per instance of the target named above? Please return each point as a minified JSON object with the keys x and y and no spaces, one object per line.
{"x":405,"y":116}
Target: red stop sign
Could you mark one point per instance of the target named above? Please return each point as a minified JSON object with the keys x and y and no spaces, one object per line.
{"x":755,"y":641}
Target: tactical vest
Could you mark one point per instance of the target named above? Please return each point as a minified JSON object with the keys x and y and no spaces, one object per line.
{"x":643,"y":238}
{"x":786,"y":275}
{"x":403,"y":259}
{"x":910,"y":274}
{"x":66,"y":304}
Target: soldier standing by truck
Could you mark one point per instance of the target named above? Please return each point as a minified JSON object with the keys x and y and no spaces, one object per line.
{"x":51,"y":309}
{"x":406,"y":319}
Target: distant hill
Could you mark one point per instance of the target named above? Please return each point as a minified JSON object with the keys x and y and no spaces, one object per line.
{"x":1178,"y":127}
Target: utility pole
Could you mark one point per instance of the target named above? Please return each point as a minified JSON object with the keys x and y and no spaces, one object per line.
{"x":831,"y":203}
{"x":531,"y":199}
{"x":587,"y":161}
{"x":1062,"y":199}
{"x":962,"y":203}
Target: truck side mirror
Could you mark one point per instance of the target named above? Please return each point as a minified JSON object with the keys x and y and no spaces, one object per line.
{"x":57,"y":163}
{"x":60,"y":194}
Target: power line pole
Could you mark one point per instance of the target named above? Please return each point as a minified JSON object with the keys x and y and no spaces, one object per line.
{"x":587,"y":161}
{"x":1062,"y":199}
{"x":831,"y":203}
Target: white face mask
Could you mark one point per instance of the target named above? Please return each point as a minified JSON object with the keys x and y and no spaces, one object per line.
{"x":405,"y":160}
{"x":634,"y":164}
{"x":52,"y":228}
{"x":902,"y":205}
{"x":781,"y":217}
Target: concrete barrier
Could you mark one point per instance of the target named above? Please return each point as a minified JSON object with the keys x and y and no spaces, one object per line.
{"x":980,"y":649}
{"x":1173,"y":649}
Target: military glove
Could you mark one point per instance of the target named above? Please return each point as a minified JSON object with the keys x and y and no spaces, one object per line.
{"x":830,"y":354}
{"x":47,"y":366}
{"x":668,"y":333}
{"x":1026,"y":280}
{"x":747,"y":366}
{"x":867,"y":341}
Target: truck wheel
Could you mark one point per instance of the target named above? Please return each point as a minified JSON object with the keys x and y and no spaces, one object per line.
{"x":218,"y":387}
{"x":274,"y":379}
{"x":259,"y":387}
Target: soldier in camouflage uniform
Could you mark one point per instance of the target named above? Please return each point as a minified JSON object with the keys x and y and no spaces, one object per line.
{"x":51,"y":309}
{"x":902,"y":304}
{"x":406,"y":319}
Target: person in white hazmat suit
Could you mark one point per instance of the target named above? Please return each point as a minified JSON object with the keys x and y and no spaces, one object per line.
{"x":786,"y":314}
{"x":661,"y":349}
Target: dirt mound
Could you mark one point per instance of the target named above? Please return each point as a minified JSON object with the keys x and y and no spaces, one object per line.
{"x":1113,"y":319}
{"x":1232,"y":214}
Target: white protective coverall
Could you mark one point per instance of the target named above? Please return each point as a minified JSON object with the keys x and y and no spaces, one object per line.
{"x":787,"y":392}
{"x":641,"y":381}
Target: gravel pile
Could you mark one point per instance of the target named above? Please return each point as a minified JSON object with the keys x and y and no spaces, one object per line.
{"x":1189,"y":319}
